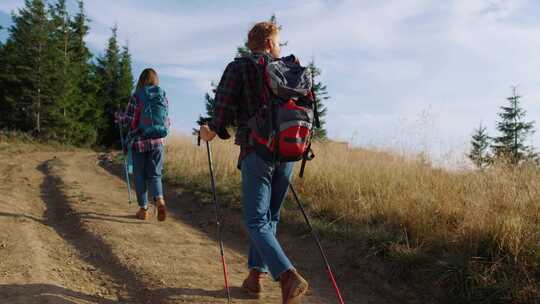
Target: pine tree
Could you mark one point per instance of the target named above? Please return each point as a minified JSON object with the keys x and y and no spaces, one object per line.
{"x":210,"y":101}
{"x":321,"y":96}
{"x":110,"y":93}
{"x":85,"y":112}
{"x":510,"y":144}
{"x":209,"y":105}
{"x":26,"y":70}
{"x":480,"y":143}
{"x":126,"y":75}
{"x":60,"y":82}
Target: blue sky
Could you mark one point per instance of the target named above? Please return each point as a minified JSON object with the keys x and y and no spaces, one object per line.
{"x":407,"y":74}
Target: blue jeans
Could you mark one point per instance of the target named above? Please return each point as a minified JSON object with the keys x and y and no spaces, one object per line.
{"x":264,"y":187}
{"x":147,"y":167}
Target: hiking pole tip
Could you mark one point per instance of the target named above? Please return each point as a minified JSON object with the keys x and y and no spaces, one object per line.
{"x":319,"y":245}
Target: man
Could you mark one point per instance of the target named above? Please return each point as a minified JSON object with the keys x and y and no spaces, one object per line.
{"x":264,"y":182}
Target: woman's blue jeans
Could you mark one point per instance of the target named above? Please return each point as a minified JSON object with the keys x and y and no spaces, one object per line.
{"x":147,"y":168}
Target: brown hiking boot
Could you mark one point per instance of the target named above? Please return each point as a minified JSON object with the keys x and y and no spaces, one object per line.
{"x":161,"y":209}
{"x":142,"y":214}
{"x":293,"y":287}
{"x":253,"y":283}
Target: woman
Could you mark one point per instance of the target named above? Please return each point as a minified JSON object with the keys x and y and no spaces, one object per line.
{"x":147,"y":150}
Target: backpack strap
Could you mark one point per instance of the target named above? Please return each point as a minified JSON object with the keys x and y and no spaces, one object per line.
{"x":315,"y":106}
{"x":309,"y":155}
{"x":260,"y":63}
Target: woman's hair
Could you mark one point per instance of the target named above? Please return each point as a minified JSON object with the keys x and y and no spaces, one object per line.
{"x":148,"y":77}
{"x":259,"y":34}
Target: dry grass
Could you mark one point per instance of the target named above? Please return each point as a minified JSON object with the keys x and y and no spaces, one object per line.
{"x":476,"y":233}
{"x":20,"y":142}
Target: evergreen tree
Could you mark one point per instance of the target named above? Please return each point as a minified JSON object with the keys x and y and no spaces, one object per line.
{"x":210,"y":101}
{"x":126,"y":76}
{"x":321,"y":96}
{"x":85,"y":111}
{"x":510,"y":144}
{"x":480,"y":143}
{"x":60,"y":82}
{"x":111,"y":93}
{"x":26,"y":70}
{"x":210,"y":106}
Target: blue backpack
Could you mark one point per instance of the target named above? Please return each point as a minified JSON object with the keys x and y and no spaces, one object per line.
{"x":153,"y":120}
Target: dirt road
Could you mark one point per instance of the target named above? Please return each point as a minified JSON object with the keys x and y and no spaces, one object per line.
{"x":68,"y":235}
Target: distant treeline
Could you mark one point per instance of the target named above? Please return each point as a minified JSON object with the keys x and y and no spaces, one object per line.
{"x":52,"y":86}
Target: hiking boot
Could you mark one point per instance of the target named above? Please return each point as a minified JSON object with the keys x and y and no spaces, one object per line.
{"x":253,"y":283}
{"x":161,"y":209}
{"x":142,"y":214}
{"x":293,"y":287}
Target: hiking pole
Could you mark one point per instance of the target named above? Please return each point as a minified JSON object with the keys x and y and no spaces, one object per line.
{"x":318,"y":241}
{"x":218,"y":222}
{"x":126,"y":171}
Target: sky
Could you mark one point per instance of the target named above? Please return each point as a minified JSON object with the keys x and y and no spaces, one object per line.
{"x":409,"y":75}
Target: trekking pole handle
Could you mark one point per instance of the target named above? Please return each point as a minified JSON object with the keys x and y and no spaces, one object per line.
{"x":302,"y":167}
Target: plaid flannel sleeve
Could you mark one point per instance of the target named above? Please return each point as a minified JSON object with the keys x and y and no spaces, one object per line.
{"x":226,"y":100}
{"x":129,"y":114}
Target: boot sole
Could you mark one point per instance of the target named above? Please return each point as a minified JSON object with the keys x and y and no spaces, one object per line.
{"x":141,"y":217}
{"x":295,"y":297}
{"x":162,"y":213}
{"x":256,"y":295}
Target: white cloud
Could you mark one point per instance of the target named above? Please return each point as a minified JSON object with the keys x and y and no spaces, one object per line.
{"x":199,"y":77}
{"x":159,"y":36}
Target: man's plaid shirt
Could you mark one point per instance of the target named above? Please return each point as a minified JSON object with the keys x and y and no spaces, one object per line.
{"x":237,"y":100}
{"x":131,"y":118}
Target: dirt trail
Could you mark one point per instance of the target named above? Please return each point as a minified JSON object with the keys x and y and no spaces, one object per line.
{"x":67,"y":235}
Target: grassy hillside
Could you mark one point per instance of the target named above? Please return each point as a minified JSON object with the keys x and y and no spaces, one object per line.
{"x":476,"y":235}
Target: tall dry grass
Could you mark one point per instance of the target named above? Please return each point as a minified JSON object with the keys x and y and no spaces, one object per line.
{"x":477,"y":233}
